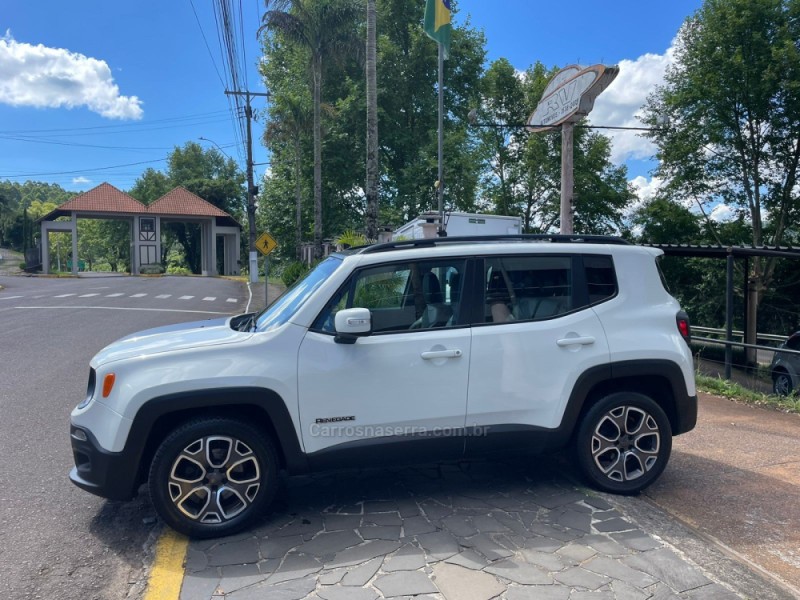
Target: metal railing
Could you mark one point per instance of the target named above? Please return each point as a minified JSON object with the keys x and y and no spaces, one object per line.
{"x":729,"y":344}
{"x":759,"y":336}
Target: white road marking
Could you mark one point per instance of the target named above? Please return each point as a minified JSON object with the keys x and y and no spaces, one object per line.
{"x":63,"y":295}
{"x":87,"y":295}
{"x":210,"y":298}
{"x":11,"y":297}
{"x":162,"y":296}
{"x":117,"y":295}
{"x":203,"y":312}
{"x":231,"y":300}
{"x":185,"y":297}
{"x":138,"y":295}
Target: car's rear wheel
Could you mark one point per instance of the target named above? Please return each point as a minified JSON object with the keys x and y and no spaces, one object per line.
{"x":782,"y":384}
{"x":624,"y":442}
{"x":213,"y":477}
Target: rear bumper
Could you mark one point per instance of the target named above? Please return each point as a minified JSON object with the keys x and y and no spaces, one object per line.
{"x":686,"y":414}
{"x":112,"y":475}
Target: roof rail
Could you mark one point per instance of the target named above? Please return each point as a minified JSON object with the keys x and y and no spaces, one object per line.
{"x":523,"y":237}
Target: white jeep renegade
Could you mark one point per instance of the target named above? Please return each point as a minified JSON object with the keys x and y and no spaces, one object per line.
{"x":421,"y":350}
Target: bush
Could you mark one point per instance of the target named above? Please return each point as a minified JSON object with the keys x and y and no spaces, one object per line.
{"x":151,"y":270}
{"x":292,"y":272}
{"x":178,"y":270}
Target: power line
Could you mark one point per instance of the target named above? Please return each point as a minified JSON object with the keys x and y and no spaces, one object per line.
{"x":195,"y":119}
{"x":203,"y":33}
{"x":79,"y":171}
{"x":75,"y":144}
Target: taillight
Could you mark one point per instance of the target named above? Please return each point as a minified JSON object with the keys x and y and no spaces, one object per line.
{"x":682,"y":320}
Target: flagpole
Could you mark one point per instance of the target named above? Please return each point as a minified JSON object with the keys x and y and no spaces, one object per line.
{"x":440,"y":187}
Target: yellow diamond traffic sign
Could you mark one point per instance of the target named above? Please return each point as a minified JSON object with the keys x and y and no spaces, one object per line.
{"x":266,"y":243}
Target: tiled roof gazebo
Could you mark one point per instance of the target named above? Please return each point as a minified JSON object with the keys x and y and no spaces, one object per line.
{"x":107,"y":202}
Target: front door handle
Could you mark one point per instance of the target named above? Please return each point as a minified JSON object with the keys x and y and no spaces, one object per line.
{"x":571,"y":341}
{"x":432,"y":354}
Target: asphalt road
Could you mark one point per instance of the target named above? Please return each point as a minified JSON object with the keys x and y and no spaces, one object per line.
{"x":56,"y":541}
{"x":736,"y":479}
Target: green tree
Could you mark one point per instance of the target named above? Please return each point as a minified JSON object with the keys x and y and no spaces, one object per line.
{"x":523,"y":171}
{"x":287,"y":135}
{"x":324,"y":28}
{"x":371,"y":187}
{"x":15,"y":199}
{"x":662,"y":221}
{"x":733,"y":103}
{"x":408,"y":114}
{"x":502,"y":110}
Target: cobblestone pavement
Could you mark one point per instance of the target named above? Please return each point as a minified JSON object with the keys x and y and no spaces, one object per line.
{"x":455,"y":531}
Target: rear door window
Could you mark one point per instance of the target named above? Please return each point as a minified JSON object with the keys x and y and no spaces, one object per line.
{"x":527,"y":288}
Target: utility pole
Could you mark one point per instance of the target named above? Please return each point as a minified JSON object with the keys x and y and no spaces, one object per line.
{"x":252,"y":190}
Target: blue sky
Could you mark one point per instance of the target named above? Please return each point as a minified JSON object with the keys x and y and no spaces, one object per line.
{"x":141,"y":80}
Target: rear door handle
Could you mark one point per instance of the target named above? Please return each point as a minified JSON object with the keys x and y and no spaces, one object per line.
{"x":432,"y":354}
{"x":571,"y":341}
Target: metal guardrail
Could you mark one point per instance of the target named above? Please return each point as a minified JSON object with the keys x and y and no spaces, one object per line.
{"x":729,"y":344}
{"x":761,"y":336}
{"x":743,"y":345}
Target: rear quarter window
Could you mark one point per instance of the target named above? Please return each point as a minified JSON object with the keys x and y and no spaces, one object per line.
{"x":601,"y":280}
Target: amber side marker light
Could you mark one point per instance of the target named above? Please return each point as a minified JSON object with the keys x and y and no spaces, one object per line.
{"x":108,"y":384}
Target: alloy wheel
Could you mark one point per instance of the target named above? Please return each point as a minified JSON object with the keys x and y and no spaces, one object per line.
{"x":214,"y":479}
{"x":625,"y":443}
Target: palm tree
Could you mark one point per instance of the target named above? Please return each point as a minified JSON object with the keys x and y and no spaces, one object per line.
{"x":372,"y":124}
{"x":326,"y":28}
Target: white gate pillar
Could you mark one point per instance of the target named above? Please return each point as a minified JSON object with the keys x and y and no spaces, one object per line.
{"x":75,"y":259}
{"x":45,"y":248}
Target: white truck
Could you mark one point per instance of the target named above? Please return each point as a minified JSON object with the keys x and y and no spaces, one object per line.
{"x":459,"y":224}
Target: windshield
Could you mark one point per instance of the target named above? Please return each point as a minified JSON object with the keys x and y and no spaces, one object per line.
{"x":284,"y":307}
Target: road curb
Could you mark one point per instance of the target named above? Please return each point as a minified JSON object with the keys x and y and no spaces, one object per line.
{"x":724,"y":564}
{"x":166,"y":576}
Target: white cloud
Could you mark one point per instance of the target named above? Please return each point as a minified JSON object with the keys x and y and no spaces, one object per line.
{"x":80,"y":180}
{"x":55,"y":77}
{"x":722,"y":213}
{"x":646,"y":188}
{"x":621,"y":103}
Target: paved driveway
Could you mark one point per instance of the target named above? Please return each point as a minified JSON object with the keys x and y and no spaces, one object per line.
{"x":513,"y":530}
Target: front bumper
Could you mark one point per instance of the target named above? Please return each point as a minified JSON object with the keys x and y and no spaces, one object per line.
{"x":112,"y":475}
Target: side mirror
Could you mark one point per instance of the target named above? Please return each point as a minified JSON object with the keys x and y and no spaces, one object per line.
{"x":351,"y":324}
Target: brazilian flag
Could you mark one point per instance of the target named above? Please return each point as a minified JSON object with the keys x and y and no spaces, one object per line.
{"x":437,"y":23}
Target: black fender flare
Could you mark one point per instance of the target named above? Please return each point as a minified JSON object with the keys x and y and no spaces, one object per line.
{"x":681,"y":408}
{"x":263,"y":404}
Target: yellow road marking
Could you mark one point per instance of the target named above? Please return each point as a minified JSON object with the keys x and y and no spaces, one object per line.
{"x":166,"y":576}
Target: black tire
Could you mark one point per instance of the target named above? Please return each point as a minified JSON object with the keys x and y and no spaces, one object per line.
{"x":782,"y":383}
{"x":213,"y":477}
{"x":623,"y":443}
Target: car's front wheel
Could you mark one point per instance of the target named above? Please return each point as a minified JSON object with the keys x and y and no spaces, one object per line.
{"x":782,"y":384}
{"x":213,"y":477}
{"x":624,"y":442}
